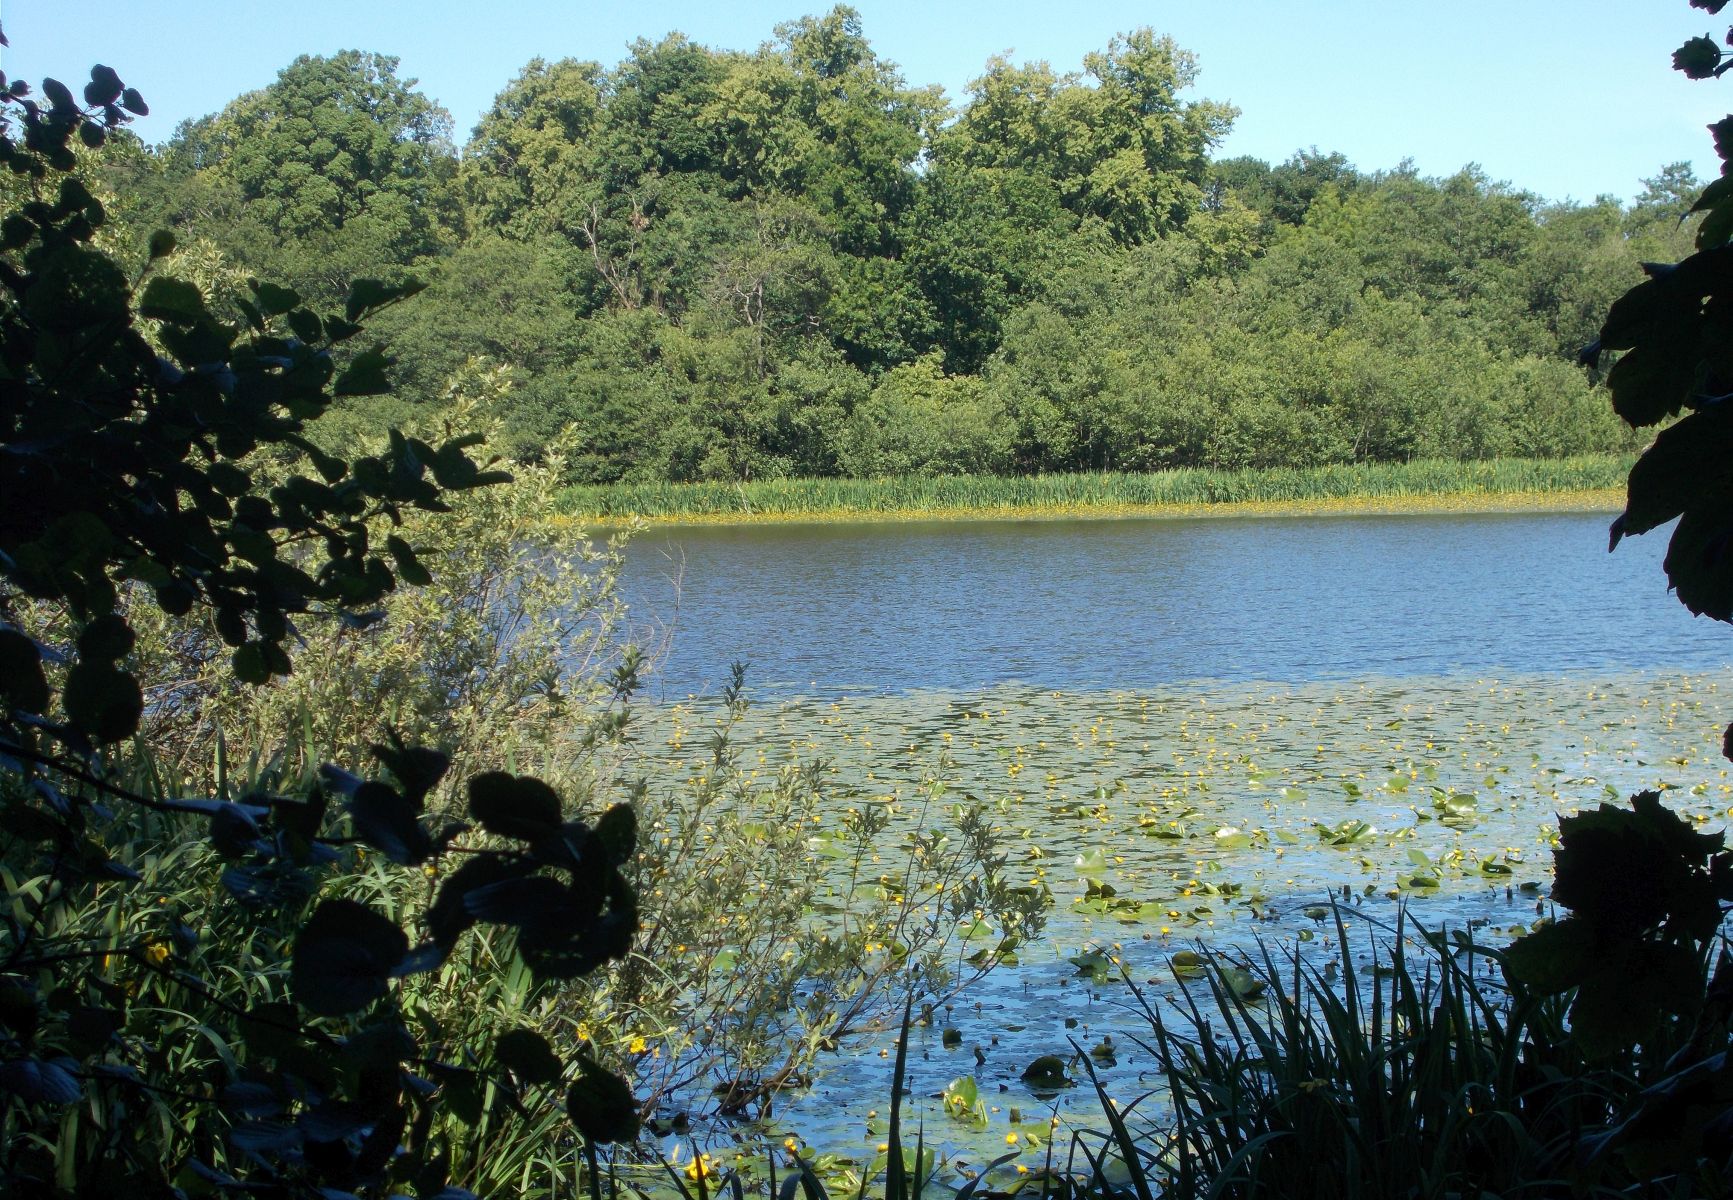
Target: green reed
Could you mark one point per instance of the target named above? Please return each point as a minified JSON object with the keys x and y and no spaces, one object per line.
{"x":1101,"y":492}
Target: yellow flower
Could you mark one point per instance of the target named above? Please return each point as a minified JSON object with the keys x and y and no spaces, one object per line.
{"x":156,"y":952}
{"x":639,"y":1045}
{"x":1010,"y":1139}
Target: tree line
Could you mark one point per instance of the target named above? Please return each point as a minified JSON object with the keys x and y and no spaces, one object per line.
{"x":789,"y":262}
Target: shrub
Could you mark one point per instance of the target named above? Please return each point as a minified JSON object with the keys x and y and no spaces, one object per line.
{"x":159,"y":1032}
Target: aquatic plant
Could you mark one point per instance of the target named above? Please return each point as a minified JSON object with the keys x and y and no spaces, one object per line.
{"x":1419,"y":484}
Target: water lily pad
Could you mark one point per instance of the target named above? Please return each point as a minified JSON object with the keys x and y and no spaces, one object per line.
{"x":1047,"y":1073}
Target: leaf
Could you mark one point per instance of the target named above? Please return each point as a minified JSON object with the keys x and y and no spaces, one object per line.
{"x":172,"y":300}
{"x":59,"y":95}
{"x":344,"y":958}
{"x":365,"y":375}
{"x":37,"y":1081}
{"x":536,"y":901}
{"x":449,"y":915}
{"x":134,"y":103}
{"x":249,"y":664}
{"x":388,"y":821}
{"x":1188,"y":964}
{"x":369,"y":295}
{"x":307,"y":325}
{"x":418,"y":768}
{"x":1684,"y":467}
{"x":22,"y":682}
{"x":1242,"y":983}
{"x":273,"y":299}
{"x":233,"y":830}
{"x":1699,"y":562}
{"x":618,"y":833}
{"x":250,"y":1101}
{"x":408,"y":566}
{"x":106,"y":639}
{"x":1653,"y":381}
{"x":162,"y":244}
{"x":104,"y":87}
{"x":1697,"y":58}
{"x":1554,"y":957}
{"x":1046,"y":1072}
{"x":103,"y":701}
{"x":601,"y":1106}
{"x":514,"y":806}
{"x":527,"y":1055}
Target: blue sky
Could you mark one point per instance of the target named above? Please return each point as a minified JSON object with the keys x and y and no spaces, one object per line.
{"x":1568,"y":99}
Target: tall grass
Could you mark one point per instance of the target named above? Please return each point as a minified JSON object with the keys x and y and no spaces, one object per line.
{"x":1106,"y":493}
{"x":1425,"y":1075}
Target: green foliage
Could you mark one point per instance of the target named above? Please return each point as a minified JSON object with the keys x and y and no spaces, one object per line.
{"x":339,"y":151}
{"x":920,"y":421}
{"x":181,"y":473}
{"x":1418,"y":1074}
{"x":1122,"y":150}
{"x":1646,"y":893}
{"x":1674,"y":335}
{"x":707,"y":259}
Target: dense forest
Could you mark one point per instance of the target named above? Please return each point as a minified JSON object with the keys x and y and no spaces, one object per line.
{"x":789,"y":262}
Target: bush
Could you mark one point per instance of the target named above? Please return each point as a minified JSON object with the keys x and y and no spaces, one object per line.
{"x":159,"y":1032}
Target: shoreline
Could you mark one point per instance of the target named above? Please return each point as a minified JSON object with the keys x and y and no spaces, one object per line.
{"x":1607,"y":500}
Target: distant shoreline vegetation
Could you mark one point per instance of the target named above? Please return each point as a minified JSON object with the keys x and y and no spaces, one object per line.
{"x":1582,"y":483}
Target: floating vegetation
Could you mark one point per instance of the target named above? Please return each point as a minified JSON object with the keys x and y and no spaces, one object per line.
{"x":1173,"y":831}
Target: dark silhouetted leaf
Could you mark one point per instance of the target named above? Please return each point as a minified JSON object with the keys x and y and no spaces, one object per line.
{"x":103,"y":701}
{"x":173,"y":300}
{"x":274,"y":301}
{"x":527,"y":1055}
{"x":366,"y":375}
{"x":408,"y":566}
{"x":515,"y":806}
{"x":537,"y":902}
{"x":618,"y":833}
{"x":344,"y":957}
{"x":233,"y":831}
{"x":388,"y":821}
{"x":106,"y":639}
{"x":449,"y":915}
{"x":368,"y":295}
{"x":418,"y":768}
{"x":22,"y":683}
{"x":37,"y":1081}
{"x":601,"y":1106}
{"x":1554,"y":957}
{"x":104,"y":87}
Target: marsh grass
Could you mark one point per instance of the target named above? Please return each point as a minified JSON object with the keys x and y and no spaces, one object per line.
{"x":1589,"y":481}
{"x":1420,"y":1073}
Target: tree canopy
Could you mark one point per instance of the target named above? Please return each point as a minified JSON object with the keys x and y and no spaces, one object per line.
{"x":708,"y":259}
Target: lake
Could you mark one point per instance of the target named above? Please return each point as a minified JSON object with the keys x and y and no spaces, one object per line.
{"x":1131,"y":603}
{"x":1192,"y":732}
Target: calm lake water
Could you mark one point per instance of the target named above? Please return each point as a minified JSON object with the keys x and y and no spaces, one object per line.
{"x":1135,"y":603}
{"x":1193,"y":733}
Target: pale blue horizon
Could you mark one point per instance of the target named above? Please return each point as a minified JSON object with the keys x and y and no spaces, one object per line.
{"x":1567,"y":100}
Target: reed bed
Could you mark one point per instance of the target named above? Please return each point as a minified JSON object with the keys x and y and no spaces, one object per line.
{"x":1583,"y":482}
